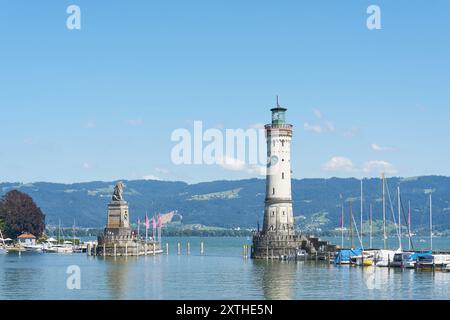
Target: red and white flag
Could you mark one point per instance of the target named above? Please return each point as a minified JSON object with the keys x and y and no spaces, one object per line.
{"x":159,"y":221}
{"x":147,"y":222}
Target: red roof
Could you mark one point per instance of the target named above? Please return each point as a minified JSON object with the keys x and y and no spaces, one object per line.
{"x":26,"y":236}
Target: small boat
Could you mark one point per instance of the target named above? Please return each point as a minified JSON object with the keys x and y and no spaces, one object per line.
{"x":34,"y":248}
{"x":346,"y":256}
{"x":401,"y":260}
{"x":366,"y":260}
{"x":384,"y":258}
{"x":441,"y":260}
{"x":447,"y":267}
{"x":425,"y":262}
{"x":301,"y":253}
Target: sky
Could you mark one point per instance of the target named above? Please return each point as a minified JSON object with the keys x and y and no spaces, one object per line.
{"x":102,"y":102}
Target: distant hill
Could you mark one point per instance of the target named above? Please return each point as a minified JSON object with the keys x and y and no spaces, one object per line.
{"x":232,"y":204}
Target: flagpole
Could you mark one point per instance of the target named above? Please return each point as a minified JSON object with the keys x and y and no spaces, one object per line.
{"x":146,"y":227}
{"x":362,"y":209}
{"x":371,"y":227}
{"x":139,"y":226}
{"x":409,"y":225}
{"x":342,"y":225}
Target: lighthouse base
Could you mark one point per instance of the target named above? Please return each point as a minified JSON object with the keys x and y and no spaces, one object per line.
{"x":268,"y":246}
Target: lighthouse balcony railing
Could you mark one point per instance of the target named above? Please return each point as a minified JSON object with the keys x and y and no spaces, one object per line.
{"x":279,"y":126}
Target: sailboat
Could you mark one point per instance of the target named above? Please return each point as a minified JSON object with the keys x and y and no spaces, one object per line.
{"x":66,"y":247}
{"x":384,"y":257}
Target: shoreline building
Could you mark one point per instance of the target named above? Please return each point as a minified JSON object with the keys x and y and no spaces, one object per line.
{"x":118,"y":238}
{"x":278,"y":237}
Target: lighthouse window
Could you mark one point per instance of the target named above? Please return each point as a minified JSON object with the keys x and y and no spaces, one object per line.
{"x":273,"y":213}
{"x":273,"y":191}
{"x":282,"y":143}
{"x":282,"y":175}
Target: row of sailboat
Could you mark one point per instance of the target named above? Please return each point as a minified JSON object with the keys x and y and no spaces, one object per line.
{"x":384,"y":257}
{"x":50,"y":245}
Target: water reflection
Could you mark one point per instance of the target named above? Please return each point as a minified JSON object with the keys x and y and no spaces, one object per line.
{"x":118,"y":275}
{"x":278,"y":279}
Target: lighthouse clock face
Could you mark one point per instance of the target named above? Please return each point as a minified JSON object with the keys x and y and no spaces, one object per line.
{"x":273,"y":160}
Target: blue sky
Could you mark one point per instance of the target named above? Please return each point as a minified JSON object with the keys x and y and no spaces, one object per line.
{"x":101,"y":103}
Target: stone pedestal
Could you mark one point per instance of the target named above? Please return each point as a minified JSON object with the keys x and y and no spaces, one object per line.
{"x":273,"y":246}
{"x":118,"y":239}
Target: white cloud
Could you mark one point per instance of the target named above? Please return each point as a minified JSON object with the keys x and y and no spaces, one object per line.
{"x":313,"y":127}
{"x":135,"y":122}
{"x":90,"y":124}
{"x":321,"y":127}
{"x":378,"y":167}
{"x":343,"y":164}
{"x":378,"y":148}
{"x":232,"y":164}
{"x":151,"y":177}
{"x":161,"y":170}
{"x":318,"y":113}
{"x":339,"y":164}
{"x":352,"y":132}
{"x":330,"y":126}
{"x":87,"y":166}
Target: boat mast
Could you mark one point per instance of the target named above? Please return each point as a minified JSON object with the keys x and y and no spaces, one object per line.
{"x":384,"y":213}
{"x":371,"y":227}
{"x":399,"y":219}
{"x":431,"y":222}
{"x":59,"y":231}
{"x":351,"y":225}
{"x":362,"y":208}
{"x":342,"y":225}
{"x":409,"y":225}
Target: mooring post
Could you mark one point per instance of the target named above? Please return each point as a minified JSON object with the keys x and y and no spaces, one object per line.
{"x":243,"y":251}
{"x":179,"y":248}
{"x":88,"y":250}
{"x":104,"y":250}
{"x":115,"y":249}
{"x":126,"y":249}
{"x":267,"y":252}
{"x":145,"y":249}
{"x":189,"y":248}
{"x":154,"y":249}
{"x":95,"y":249}
{"x":201,"y":248}
{"x":167,"y":248}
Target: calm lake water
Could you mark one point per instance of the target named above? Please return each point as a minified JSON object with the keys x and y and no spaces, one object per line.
{"x":221,"y":273}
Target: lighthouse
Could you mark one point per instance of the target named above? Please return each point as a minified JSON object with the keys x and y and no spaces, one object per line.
{"x":278,"y":237}
{"x":278,"y":215}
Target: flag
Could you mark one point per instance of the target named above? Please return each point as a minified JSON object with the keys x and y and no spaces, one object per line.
{"x":159,"y":220}
{"x":147,"y":223}
{"x":154,"y":222}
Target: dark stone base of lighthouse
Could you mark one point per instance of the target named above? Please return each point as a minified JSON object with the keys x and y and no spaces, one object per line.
{"x":274,"y":246}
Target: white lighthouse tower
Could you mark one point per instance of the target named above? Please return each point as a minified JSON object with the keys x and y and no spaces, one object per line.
{"x":278,"y":215}
{"x":278,"y":237}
